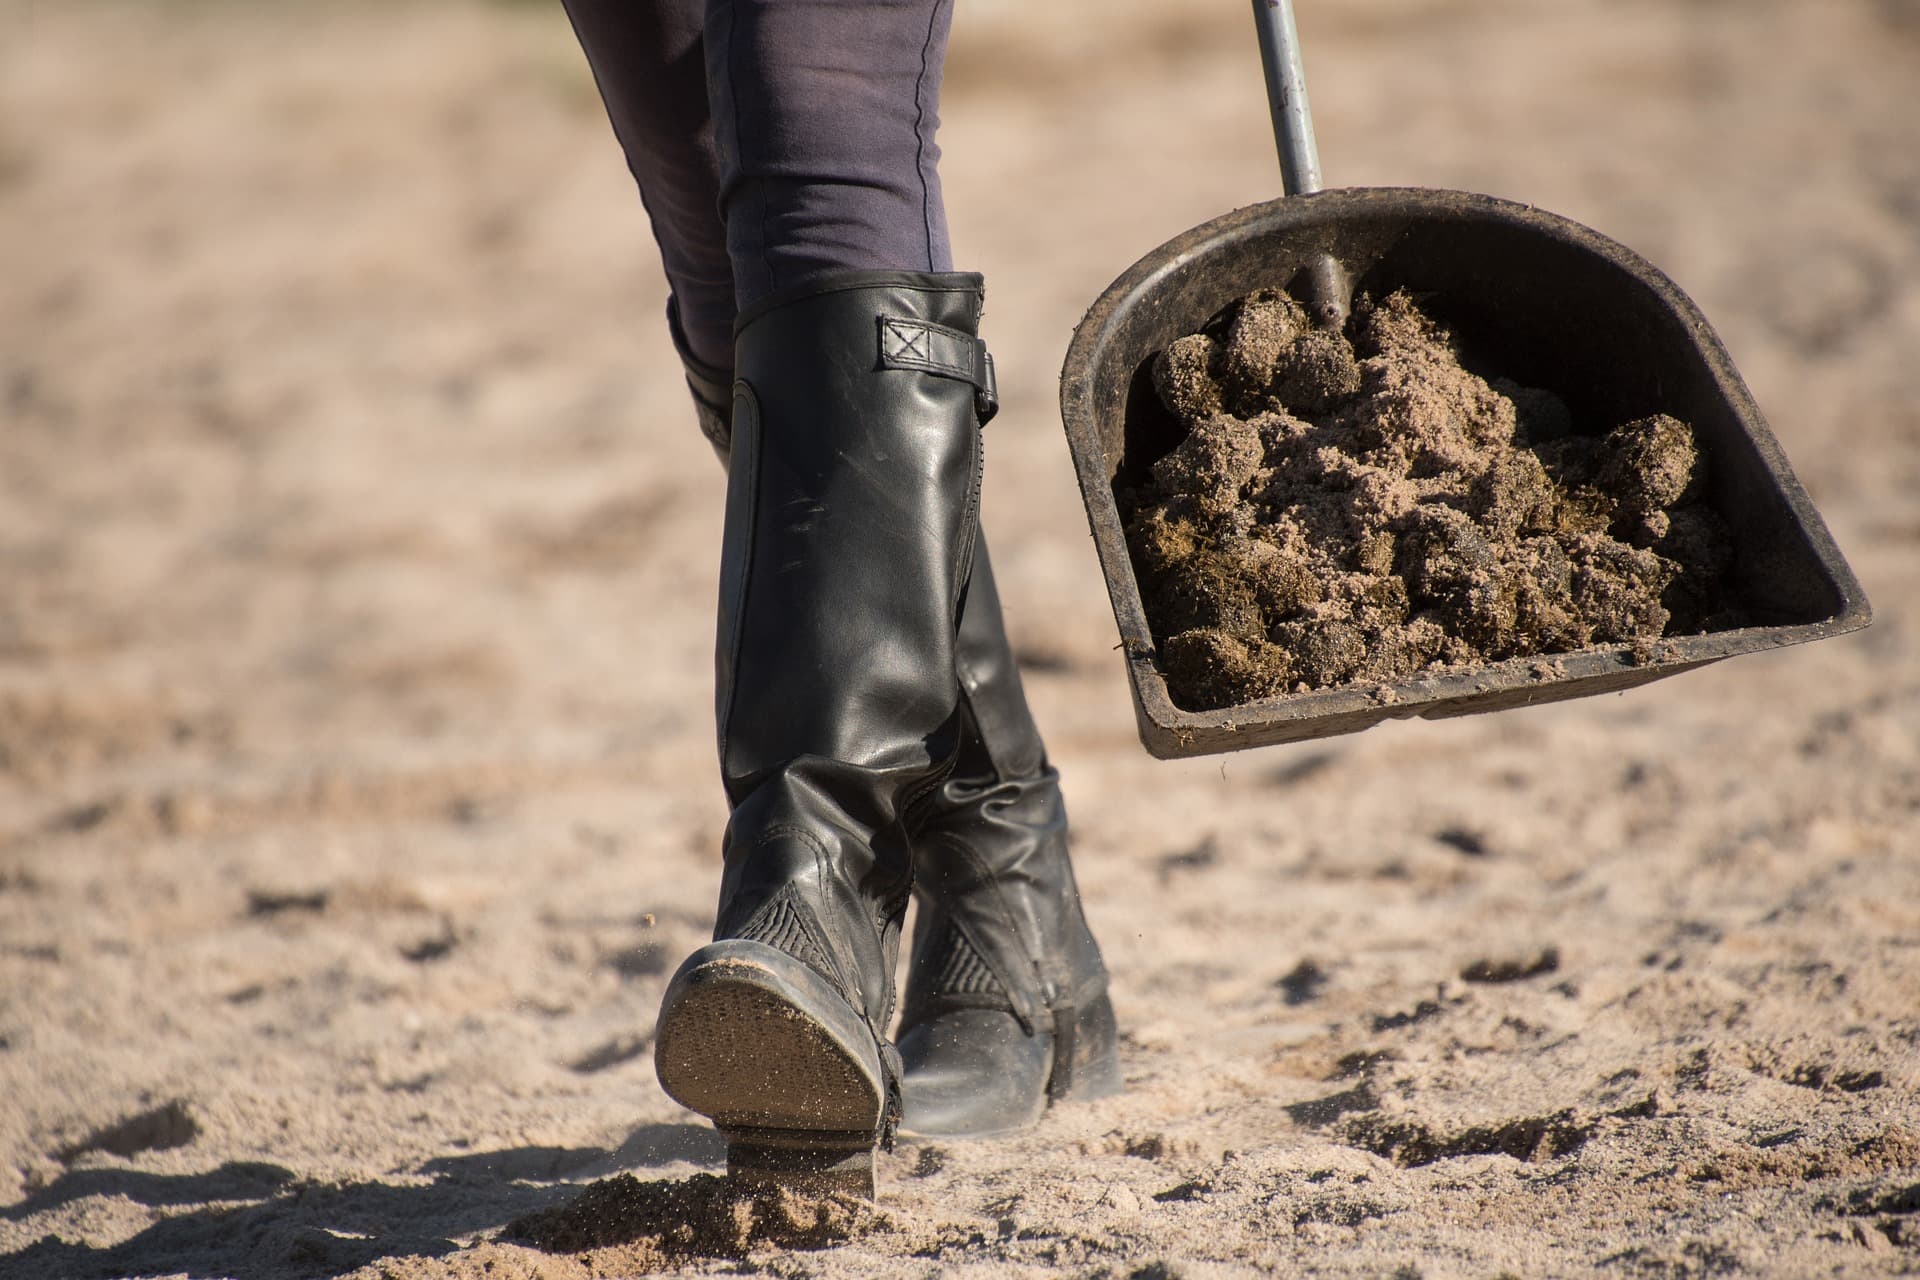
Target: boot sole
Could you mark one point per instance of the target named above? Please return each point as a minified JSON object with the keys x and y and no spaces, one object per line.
{"x":772,"y":1053}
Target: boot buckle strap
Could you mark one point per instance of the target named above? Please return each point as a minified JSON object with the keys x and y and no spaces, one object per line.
{"x":907,"y":343}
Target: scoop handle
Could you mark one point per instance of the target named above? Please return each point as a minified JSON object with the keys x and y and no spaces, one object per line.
{"x":1287,"y":96}
{"x":1325,"y":288}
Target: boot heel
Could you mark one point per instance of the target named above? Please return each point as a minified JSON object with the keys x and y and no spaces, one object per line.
{"x":816,"y":1163}
{"x":1087,"y":1058}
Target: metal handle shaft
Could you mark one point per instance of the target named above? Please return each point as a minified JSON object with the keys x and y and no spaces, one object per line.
{"x":1324,"y":288}
{"x":1287,"y":96}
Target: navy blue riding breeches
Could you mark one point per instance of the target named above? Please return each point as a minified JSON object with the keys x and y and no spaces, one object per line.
{"x":774,"y":141}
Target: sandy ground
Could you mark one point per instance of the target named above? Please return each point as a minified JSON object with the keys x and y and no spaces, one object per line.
{"x":356,"y":567}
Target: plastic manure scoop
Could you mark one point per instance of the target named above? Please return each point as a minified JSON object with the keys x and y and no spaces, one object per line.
{"x":1547,"y":302}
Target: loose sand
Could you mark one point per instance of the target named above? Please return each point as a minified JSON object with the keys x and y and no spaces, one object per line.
{"x":356,"y":582}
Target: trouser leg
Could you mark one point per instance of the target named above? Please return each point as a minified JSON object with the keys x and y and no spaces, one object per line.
{"x":824,"y":116}
{"x":649,"y":61}
{"x":774,"y":141}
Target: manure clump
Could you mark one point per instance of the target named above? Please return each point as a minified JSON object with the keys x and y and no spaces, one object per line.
{"x":1354,"y":506}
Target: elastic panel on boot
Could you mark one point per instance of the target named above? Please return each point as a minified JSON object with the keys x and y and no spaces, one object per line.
{"x":780,"y":925}
{"x":956,"y":969}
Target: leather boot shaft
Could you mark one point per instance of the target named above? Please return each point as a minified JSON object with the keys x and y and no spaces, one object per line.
{"x":851,"y":511}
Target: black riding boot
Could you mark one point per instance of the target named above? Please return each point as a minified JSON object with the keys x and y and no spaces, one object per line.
{"x":851,"y":513}
{"x":1006,"y":1006}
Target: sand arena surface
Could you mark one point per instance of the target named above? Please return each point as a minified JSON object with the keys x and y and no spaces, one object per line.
{"x":356,"y":574}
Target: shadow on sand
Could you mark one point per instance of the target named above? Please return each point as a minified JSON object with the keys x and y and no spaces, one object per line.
{"x":266,"y":1222}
